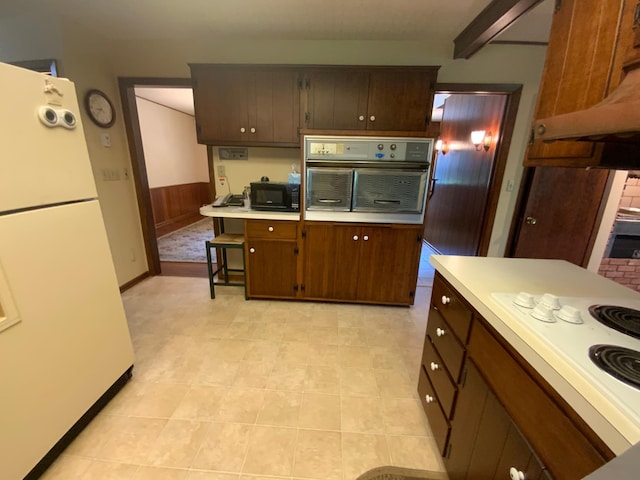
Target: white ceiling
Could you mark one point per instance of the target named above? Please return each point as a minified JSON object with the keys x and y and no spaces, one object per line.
{"x":360,"y":20}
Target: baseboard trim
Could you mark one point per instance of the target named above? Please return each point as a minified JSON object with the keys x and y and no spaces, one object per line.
{"x":126,"y":286}
{"x":77,"y":427}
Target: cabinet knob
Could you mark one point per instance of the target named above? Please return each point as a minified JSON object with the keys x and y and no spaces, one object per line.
{"x":428,"y":398}
{"x":530,"y":221}
{"x":445,"y":300}
{"x":515,"y":474}
{"x":242,"y":129}
{"x":440,"y":331}
{"x":253,"y":130}
{"x":270,"y":229}
{"x":365,"y":238}
{"x":372,"y":118}
{"x":252,"y":250}
{"x":355,"y":237}
{"x":361,"y":118}
{"x":434,"y":366}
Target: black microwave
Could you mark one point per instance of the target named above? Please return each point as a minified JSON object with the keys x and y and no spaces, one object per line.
{"x":275,"y":196}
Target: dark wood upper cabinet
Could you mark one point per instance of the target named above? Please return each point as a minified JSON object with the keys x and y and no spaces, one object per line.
{"x":246,"y":105}
{"x":587,"y":45}
{"x":372,"y":98}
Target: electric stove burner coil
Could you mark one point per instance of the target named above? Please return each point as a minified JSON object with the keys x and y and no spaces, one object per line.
{"x":622,"y":319}
{"x":620,"y":362}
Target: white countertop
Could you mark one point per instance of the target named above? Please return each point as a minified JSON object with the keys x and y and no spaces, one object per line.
{"x":247,"y":213}
{"x":476,"y":278}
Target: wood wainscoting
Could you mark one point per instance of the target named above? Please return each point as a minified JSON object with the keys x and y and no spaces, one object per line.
{"x":176,"y":206}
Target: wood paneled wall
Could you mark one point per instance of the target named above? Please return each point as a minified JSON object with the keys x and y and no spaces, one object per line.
{"x":175,"y":206}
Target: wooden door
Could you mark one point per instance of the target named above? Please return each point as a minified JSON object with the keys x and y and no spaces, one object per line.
{"x":336,"y":99}
{"x":389,"y":260}
{"x":273,"y":268}
{"x":274,"y":108}
{"x":400,"y":100}
{"x":559,"y":218}
{"x":331,"y":261}
{"x":220,"y":102}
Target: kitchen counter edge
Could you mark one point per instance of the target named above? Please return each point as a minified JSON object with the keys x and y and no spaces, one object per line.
{"x":247,"y":213}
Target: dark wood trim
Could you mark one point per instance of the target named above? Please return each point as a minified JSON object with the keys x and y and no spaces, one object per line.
{"x":516,"y":220}
{"x":516,"y":42}
{"x":495,"y":18}
{"x":135,"y":281}
{"x":513,"y":92}
{"x":138,"y":165}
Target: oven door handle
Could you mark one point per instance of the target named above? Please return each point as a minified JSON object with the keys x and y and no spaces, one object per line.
{"x":387,"y":202}
{"x":329,"y":200}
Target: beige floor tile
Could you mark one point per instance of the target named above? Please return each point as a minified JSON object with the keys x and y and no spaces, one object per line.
{"x":392,"y":383}
{"x":354,"y":357}
{"x":318,"y":455}
{"x":355,"y":337}
{"x":109,"y":471}
{"x":67,"y":467}
{"x":362,"y":452}
{"x":195,"y":475}
{"x":224,"y":447}
{"x":271,"y":451}
{"x":213,"y":371}
{"x":158,"y":400}
{"x":404,"y":416}
{"x":323,"y":335}
{"x":361,"y":414}
{"x":322,"y":379}
{"x":286,"y":376}
{"x":177,"y":444}
{"x":253,"y":374}
{"x":414,"y":452}
{"x":262,"y":351}
{"x":241,"y":405}
{"x":230,"y":349}
{"x":130,"y":439}
{"x":295,"y":332}
{"x":160,"y":473}
{"x":280,"y":408}
{"x":390,"y":358}
{"x":358,"y":381}
{"x":90,"y":441}
{"x":320,"y":411}
{"x":320,"y":354}
{"x":296,"y":353}
{"x":201,"y":403}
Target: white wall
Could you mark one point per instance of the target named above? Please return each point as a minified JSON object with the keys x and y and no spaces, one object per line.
{"x":171,"y":152}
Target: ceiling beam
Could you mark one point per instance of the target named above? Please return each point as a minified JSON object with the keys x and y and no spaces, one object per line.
{"x":496,"y":17}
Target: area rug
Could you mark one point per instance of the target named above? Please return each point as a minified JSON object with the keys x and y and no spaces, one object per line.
{"x":187,"y":244}
{"x":399,"y":473}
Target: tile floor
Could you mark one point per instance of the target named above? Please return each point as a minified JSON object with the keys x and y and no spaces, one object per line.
{"x":229,"y":389}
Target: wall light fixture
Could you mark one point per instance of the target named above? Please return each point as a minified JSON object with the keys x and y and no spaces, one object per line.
{"x":477,"y":138}
{"x":486,"y":143}
{"x":444,"y":148}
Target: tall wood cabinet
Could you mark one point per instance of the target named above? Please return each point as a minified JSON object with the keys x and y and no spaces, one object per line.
{"x":491,"y":414}
{"x":246,"y":105}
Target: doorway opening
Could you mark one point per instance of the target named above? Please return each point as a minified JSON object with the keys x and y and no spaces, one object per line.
{"x":158,"y":116}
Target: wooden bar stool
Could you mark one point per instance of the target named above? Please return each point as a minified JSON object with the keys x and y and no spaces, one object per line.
{"x":223,"y":242}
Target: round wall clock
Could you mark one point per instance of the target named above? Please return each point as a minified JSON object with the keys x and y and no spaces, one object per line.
{"x":100,"y":108}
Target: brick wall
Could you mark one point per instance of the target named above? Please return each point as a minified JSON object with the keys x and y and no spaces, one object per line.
{"x":625,"y":271}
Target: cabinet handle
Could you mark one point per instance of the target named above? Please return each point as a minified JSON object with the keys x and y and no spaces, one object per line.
{"x":445,"y":300}
{"x":440,"y":332}
{"x":252,"y":250}
{"x":243,"y":130}
{"x":361,"y":118}
{"x":270,"y":229}
{"x":428,"y":398}
{"x":372,"y":118}
{"x":515,"y":474}
{"x":253,"y":130}
{"x":434,"y":366}
{"x":355,"y":237}
{"x":530,"y":221}
{"x":365,"y":238}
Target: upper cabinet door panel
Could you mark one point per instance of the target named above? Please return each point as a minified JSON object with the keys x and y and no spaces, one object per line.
{"x":337,"y":99}
{"x":400,"y":100}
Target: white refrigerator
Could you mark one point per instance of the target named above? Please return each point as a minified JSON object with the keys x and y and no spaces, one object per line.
{"x":64,"y":339}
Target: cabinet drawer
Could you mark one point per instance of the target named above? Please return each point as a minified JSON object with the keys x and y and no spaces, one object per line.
{"x":437,"y":420}
{"x":452,"y":308}
{"x":446,"y":343}
{"x":269,"y":229}
{"x":445,"y":389}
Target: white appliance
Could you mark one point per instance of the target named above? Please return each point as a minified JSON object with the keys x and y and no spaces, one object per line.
{"x":568,"y":326}
{"x":64,"y":339}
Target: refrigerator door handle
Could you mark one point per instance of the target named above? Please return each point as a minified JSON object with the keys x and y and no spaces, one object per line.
{"x":8,"y":311}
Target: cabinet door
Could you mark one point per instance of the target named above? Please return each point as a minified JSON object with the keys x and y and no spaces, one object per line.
{"x":220,"y":99}
{"x":274,"y":107}
{"x":331,"y":261}
{"x":576,"y":74}
{"x":400,"y":100}
{"x":388,"y":266}
{"x":336,"y":99}
{"x":272,"y":268}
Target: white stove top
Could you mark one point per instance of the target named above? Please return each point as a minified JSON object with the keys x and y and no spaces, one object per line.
{"x":572,"y":341}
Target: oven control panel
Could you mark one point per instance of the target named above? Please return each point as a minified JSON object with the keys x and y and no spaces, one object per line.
{"x":369,"y":149}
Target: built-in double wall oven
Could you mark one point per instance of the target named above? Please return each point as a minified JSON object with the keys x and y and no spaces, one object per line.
{"x":366,"y":179}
